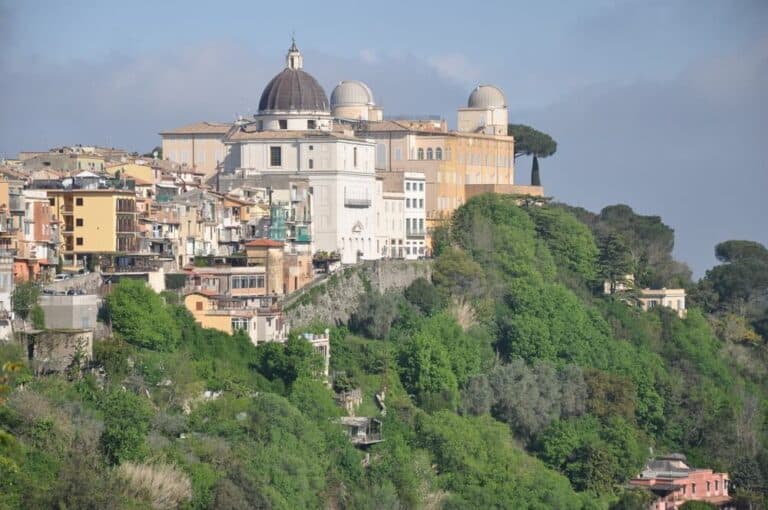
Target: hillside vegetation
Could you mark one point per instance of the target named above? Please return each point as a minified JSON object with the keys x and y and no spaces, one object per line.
{"x":509,"y":380}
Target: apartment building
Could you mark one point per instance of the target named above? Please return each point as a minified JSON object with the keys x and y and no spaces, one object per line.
{"x":94,"y":222}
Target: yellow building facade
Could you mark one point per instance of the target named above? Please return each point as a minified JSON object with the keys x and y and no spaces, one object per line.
{"x":144,"y":173}
{"x":200,"y":146}
{"x":95,"y":221}
{"x":449,"y":160}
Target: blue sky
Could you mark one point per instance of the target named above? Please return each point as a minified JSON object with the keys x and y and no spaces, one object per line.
{"x":661,"y":105}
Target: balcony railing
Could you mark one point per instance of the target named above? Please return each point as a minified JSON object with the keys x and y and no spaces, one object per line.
{"x":415,"y":232}
{"x":16,"y":203}
{"x":357,"y":201}
{"x":229,"y":236}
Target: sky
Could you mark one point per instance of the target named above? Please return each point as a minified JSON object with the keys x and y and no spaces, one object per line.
{"x":662,"y":105}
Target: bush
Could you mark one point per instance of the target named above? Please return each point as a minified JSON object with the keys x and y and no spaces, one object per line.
{"x":126,"y":423}
{"x":164,"y":486}
{"x":25,"y":296}
{"x":141,"y":317}
{"x":38,"y":317}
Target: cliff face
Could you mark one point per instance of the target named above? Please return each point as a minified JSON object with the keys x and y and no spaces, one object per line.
{"x":335,"y":298}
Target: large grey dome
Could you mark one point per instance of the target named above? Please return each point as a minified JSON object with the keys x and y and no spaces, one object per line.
{"x":351,"y":93}
{"x":293,"y":90}
{"x":487,"y":96}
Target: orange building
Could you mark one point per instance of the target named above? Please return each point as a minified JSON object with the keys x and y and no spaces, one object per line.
{"x":673,"y":482}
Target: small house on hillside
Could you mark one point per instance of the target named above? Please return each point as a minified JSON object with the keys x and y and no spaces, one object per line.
{"x":673,"y":482}
{"x":362,"y":431}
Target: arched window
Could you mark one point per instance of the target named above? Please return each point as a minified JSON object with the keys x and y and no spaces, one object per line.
{"x":438,"y":153}
{"x":420,"y":154}
{"x":429,"y":153}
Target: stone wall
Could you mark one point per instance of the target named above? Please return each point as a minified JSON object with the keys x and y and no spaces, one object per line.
{"x":334,"y":299}
{"x":90,"y":283}
{"x":53,"y":350}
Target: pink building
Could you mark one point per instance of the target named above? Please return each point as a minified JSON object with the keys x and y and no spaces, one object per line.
{"x":673,"y":483}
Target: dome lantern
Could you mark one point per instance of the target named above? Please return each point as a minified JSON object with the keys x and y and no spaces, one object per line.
{"x":294,"y":60}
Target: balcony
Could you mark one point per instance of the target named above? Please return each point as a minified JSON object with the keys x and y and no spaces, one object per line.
{"x":415,"y":233}
{"x":356,"y":201}
{"x":16,"y":203}
{"x":231,"y":221}
{"x":229,"y":235}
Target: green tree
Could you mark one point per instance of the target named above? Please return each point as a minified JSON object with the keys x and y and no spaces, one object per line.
{"x":615,"y":260}
{"x":375,"y":314}
{"x":425,"y":296}
{"x":570,"y":241}
{"x":737,"y":251}
{"x":38,"y":317}
{"x":288,"y":362}
{"x":425,"y":370}
{"x":126,"y":423}
{"x":633,"y":499}
{"x":455,"y":271}
{"x":140,"y":316}
{"x":697,"y":505}
{"x":531,"y":142}
{"x":24,"y":297}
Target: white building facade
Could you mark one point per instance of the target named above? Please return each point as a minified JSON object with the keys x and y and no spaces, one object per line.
{"x":415,"y":215}
{"x":293,"y":135}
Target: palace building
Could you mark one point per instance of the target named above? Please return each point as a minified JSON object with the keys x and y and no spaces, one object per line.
{"x":351,"y":157}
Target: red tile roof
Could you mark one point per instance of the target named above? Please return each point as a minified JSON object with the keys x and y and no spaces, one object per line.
{"x":262,"y":243}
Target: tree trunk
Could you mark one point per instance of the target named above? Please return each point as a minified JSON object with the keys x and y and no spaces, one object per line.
{"x":535,"y":177}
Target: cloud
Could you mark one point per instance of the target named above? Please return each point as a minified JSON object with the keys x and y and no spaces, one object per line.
{"x":456,"y":67}
{"x":126,"y":100}
{"x":369,"y":56}
{"x":689,"y":149}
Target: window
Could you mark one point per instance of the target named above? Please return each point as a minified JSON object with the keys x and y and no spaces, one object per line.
{"x":429,"y":153}
{"x":407,"y":186}
{"x":79,"y":222}
{"x":708,"y":487}
{"x":275,"y":156}
{"x":79,"y":241}
{"x":78,"y":201}
{"x":354,"y":157}
{"x":693,"y":488}
{"x":398,"y":154}
{"x":420,"y":154}
{"x":311,"y":147}
{"x":421,"y":203}
{"x":239,"y":323}
{"x":248,"y":282}
{"x":311,"y":164}
{"x":199,"y":306}
{"x":283,"y":123}
{"x":684,"y":487}
{"x":52,"y":201}
{"x":717,"y":485}
{"x":407,"y":203}
{"x":311,"y":124}
{"x":260,"y":125}
{"x":438,"y":153}
{"x":421,"y":224}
